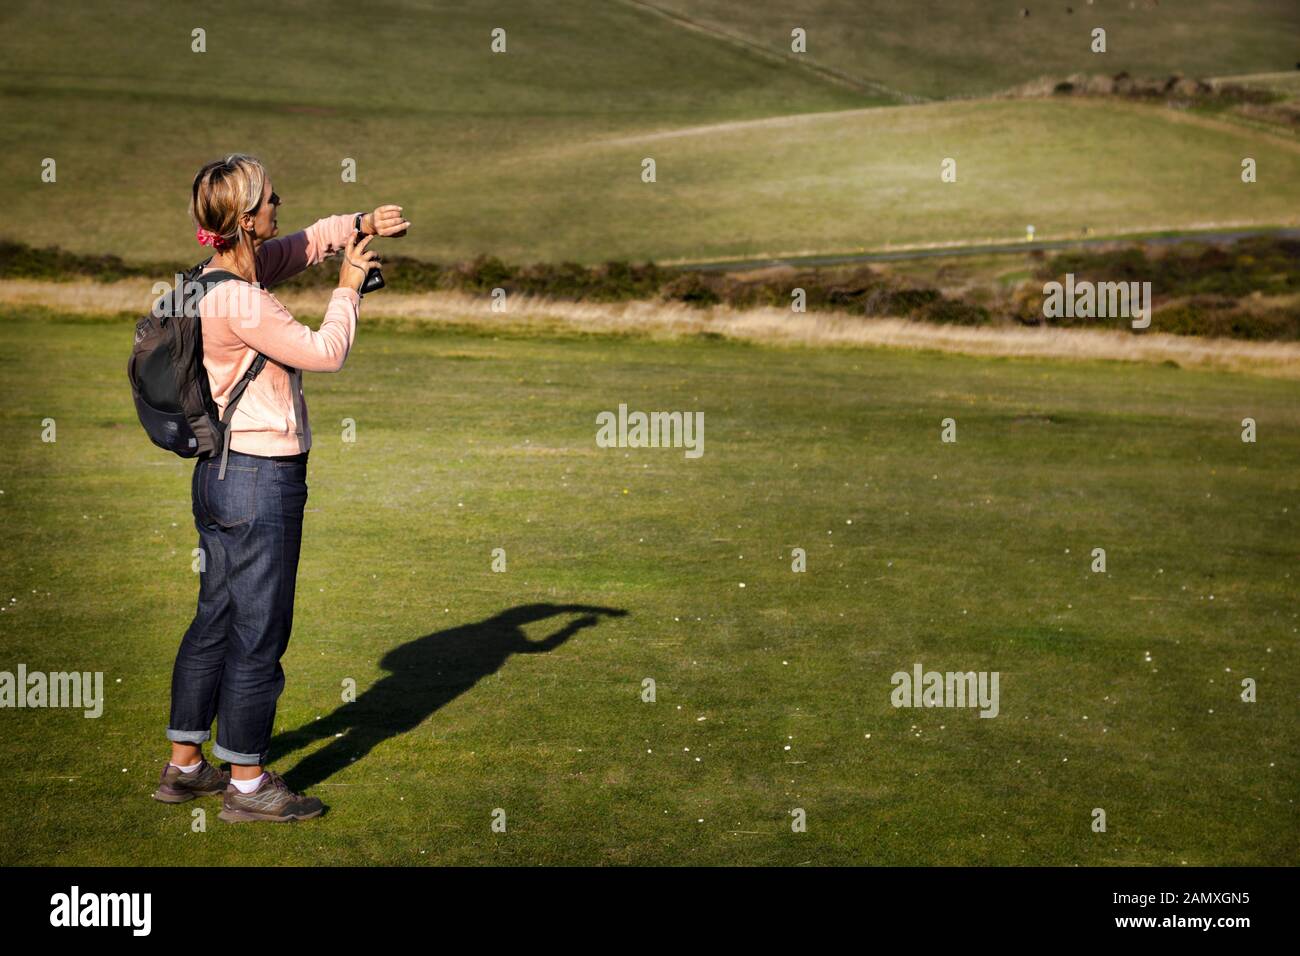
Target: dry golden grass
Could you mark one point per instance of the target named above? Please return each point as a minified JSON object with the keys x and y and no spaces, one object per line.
{"x":762,"y":325}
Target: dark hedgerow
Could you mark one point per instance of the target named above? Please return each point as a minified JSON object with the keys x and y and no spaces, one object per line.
{"x":694,"y":288}
{"x":21,"y":261}
{"x":1259,"y":264}
{"x":954,"y":312}
{"x":1198,"y":288}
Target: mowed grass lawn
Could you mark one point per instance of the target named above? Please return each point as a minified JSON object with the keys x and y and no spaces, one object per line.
{"x":771,"y":697}
{"x":536,"y":154}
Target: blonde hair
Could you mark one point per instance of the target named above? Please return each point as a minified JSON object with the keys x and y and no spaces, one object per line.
{"x":224,"y":190}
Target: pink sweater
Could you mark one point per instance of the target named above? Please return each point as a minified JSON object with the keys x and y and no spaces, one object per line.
{"x":240,"y":319}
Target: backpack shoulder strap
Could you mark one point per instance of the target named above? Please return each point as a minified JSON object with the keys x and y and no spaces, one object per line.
{"x":209,"y":279}
{"x":180,"y":298}
{"x":236,"y":394}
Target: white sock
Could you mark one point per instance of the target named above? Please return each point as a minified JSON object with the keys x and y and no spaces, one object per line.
{"x":189,"y":769}
{"x":248,"y":786}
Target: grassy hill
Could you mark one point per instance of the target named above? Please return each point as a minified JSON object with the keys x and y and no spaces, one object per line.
{"x":535,"y":154}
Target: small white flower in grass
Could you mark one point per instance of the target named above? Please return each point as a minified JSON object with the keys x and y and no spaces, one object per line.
{"x":868,"y":736}
{"x":787,"y":746}
{"x":742,"y":584}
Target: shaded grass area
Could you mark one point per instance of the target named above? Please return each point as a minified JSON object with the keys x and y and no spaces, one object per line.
{"x":966,"y":556}
{"x":947,"y":48}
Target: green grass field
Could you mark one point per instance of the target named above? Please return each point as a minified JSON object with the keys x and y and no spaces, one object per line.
{"x":770,"y":697}
{"x":536,"y":155}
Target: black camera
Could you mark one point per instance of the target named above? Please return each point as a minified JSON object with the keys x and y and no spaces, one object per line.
{"x":374,"y":278}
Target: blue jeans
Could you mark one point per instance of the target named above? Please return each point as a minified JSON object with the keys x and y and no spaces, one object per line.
{"x":228,"y":665}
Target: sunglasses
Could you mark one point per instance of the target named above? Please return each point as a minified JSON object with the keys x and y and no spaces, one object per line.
{"x":274,"y":201}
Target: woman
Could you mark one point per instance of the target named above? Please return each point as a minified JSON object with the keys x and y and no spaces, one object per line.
{"x":250,"y":518}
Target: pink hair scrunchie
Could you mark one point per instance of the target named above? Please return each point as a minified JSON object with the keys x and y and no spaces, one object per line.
{"x":208,"y":238}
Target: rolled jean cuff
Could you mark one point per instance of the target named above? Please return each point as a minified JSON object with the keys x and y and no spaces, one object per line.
{"x":188,"y":736}
{"x":234,"y":756}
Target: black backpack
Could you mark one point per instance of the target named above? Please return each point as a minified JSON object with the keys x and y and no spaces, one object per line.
{"x":168,"y":380}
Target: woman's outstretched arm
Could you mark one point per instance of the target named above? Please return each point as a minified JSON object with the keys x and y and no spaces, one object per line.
{"x":283,"y":258}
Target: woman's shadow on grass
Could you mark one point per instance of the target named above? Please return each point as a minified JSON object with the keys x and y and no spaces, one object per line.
{"x":424,"y":674}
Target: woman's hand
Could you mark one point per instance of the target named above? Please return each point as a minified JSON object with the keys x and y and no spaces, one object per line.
{"x":385,"y":221}
{"x":358,"y":260}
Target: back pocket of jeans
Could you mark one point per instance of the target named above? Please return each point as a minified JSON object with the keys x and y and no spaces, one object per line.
{"x":231,"y":501}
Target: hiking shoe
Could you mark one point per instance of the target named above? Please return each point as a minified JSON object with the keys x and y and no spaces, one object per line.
{"x":177,"y":787}
{"x":273,"y":801}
